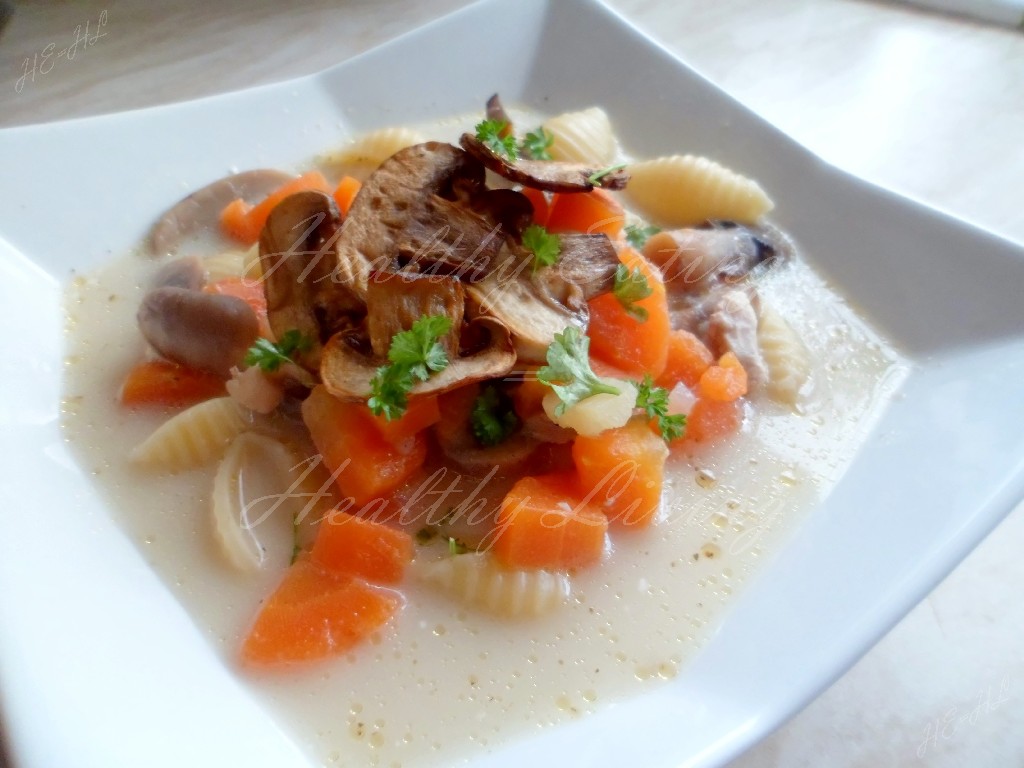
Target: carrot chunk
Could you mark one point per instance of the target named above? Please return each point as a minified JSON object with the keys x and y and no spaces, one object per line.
{"x":540,"y":204}
{"x":545,"y":523}
{"x":528,"y":395}
{"x":365,"y":465}
{"x":244,"y":223}
{"x":163,"y":383}
{"x":633,"y":346}
{"x":622,"y":470}
{"x":589,"y":212}
{"x":711,"y":420}
{"x":421,"y":413}
{"x":686,"y":361}
{"x":724,"y":382}
{"x":314,"y":614}
{"x":345,"y":193}
{"x":357,"y":546}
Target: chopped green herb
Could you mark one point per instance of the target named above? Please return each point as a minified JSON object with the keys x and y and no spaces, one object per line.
{"x":536,"y":145}
{"x":414,"y":354}
{"x":493,"y":418}
{"x":456,"y":547}
{"x":631,"y":287}
{"x":637,"y":234}
{"x":568,"y":371}
{"x":596,"y":176}
{"x":654,"y":402}
{"x":489,"y":132}
{"x":270,"y":356}
{"x":544,"y":246}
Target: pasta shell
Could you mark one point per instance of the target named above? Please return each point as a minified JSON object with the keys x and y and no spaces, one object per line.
{"x":476,"y":579}
{"x":233,"y":264}
{"x":370,"y":150}
{"x":256,"y":499}
{"x":686,"y":190}
{"x":192,"y":437}
{"x":788,"y":360}
{"x":583,"y":137}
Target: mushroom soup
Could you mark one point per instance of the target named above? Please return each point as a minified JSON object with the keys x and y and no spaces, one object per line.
{"x":434,"y":454}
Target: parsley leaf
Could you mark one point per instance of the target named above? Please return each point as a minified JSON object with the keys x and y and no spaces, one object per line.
{"x":456,"y":547}
{"x":637,"y":234}
{"x":414,"y":354}
{"x":489,"y":132}
{"x":568,"y":371}
{"x":596,"y":176}
{"x":493,"y":418}
{"x":536,"y":144}
{"x":654,"y":401}
{"x":631,"y":287}
{"x":270,"y":356}
{"x":544,"y":246}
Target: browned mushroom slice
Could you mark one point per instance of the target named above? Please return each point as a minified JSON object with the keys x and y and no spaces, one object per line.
{"x":395,"y":304}
{"x":406,"y":211}
{"x":200,"y":330}
{"x":297,"y":258}
{"x":199,"y":212}
{"x":455,"y":436}
{"x":533,"y":305}
{"x":586,"y":268}
{"x":545,"y":174}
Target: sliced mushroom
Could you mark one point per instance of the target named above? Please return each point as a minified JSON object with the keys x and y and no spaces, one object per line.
{"x":198,"y":213}
{"x":454,"y":434}
{"x":406,"y":212}
{"x":186,"y":272}
{"x":346,"y":370}
{"x":550,"y":175}
{"x":496,"y":111}
{"x":532,"y":308}
{"x":297,"y":258}
{"x":586,"y":268}
{"x":208,"y":331}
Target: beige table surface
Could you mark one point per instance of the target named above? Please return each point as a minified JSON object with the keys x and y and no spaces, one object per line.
{"x":929,"y":105}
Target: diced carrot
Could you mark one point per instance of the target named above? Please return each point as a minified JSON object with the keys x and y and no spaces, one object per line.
{"x":346,"y":192}
{"x":421,"y":413}
{"x":455,"y":405}
{"x":249,"y":291}
{"x":636,"y":347}
{"x":589,"y":212}
{"x":686,"y":361}
{"x":528,"y":395}
{"x":724,"y":382}
{"x":366,"y":467}
{"x":163,"y":383}
{"x":540,"y":204}
{"x":346,"y":544}
{"x":712,"y":420}
{"x":544,"y":523}
{"x":244,"y":223}
{"x":314,"y":614}
{"x":622,"y":471}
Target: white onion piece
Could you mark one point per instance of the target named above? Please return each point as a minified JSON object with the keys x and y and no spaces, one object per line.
{"x":593,"y":415}
{"x":256,"y":498}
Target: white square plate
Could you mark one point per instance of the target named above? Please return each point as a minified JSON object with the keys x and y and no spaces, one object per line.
{"x":100,"y":666}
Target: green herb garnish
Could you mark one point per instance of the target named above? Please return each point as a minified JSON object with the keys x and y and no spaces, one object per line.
{"x":536,"y":145}
{"x":631,"y":287}
{"x":415,"y":355}
{"x":596,"y":176}
{"x":456,"y":547}
{"x":270,"y":356}
{"x":492,"y":133}
{"x":654,"y":402}
{"x":638,"y":234}
{"x":493,"y":418}
{"x":544,"y":246}
{"x":568,"y":371}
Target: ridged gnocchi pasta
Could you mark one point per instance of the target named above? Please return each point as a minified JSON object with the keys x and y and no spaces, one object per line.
{"x":687,"y":190}
{"x":582,"y":137}
{"x":369,"y":151}
{"x":192,"y":437}
{"x":233,"y":264}
{"x":476,"y":579}
{"x":788,"y":360}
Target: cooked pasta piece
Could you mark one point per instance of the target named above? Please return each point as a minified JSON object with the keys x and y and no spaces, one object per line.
{"x":233,"y":263}
{"x":370,"y":150}
{"x":788,"y":361}
{"x":582,"y":137}
{"x":686,"y":190}
{"x":476,"y":579}
{"x":192,"y":437}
